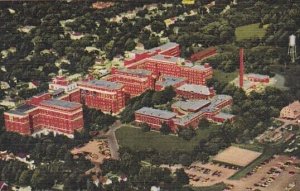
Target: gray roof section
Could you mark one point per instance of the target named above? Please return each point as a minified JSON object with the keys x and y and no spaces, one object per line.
{"x":199,"y":67}
{"x":187,"y":118}
{"x":259,"y":76}
{"x":16,"y":112}
{"x":60,"y":104}
{"x":58,"y":91}
{"x":22,"y":110}
{"x":199,"y":89}
{"x":139,"y":72}
{"x":191,"y":104}
{"x":220,"y":98}
{"x":215,"y":101}
{"x":156,"y":113}
{"x":169,"y":81}
{"x":165,"y":47}
{"x":104,"y":84}
{"x":224,"y":115}
{"x":164,"y":58}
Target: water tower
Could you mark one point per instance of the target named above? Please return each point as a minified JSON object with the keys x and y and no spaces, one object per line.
{"x":292,"y":48}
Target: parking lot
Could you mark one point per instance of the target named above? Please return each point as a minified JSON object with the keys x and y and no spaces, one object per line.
{"x":277,"y":174}
{"x":208,"y":174}
{"x":205,"y":174}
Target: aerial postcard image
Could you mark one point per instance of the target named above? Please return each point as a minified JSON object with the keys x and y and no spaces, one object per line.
{"x":149,"y":95}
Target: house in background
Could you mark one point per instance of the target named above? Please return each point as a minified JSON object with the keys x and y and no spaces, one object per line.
{"x":291,"y":111}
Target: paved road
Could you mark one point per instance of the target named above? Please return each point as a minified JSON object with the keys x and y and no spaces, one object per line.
{"x":112,"y":139}
{"x":287,"y":122}
{"x":278,"y":184}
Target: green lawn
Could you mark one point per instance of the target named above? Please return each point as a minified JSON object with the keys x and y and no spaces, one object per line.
{"x":217,"y":187}
{"x":136,"y":139}
{"x":249,"y":31}
{"x":252,"y":147}
{"x":223,"y":76}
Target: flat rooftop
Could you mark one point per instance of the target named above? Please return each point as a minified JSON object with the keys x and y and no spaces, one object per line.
{"x":21,"y":110}
{"x":169,"y":81}
{"x":194,"y":88}
{"x":60,"y":104}
{"x":170,"y":59}
{"x":215,"y":102}
{"x":156,"y":113}
{"x":187,"y":118}
{"x":58,"y":91}
{"x":139,"y":72}
{"x":200,"y":67}
{"x":237,"y":156}
{"x":103,"y":84}
{"x":259,"y":76}
{"x":224,"y":115}
{"x":165,"y":47}
{"x":191,"y":104}
{"x":220,"y":98}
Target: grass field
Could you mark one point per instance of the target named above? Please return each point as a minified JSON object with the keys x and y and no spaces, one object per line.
{"x":223,"y":76}
{"x":252,"y":147}
{"x":249,"y":31}
{"x":136,"y":139}
{"x":217,"y":187}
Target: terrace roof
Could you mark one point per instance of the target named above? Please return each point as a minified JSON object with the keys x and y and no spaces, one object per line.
{"x":199,"y":89}
{"x":60,"y":104}
{"x":191,"y":104}
{"x":156,"y":113}
{"x":104,"y":84}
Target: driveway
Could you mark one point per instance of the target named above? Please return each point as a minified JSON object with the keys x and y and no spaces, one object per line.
{"x":112,"y":139}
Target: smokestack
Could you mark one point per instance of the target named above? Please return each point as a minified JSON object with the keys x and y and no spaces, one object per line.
{"x":241,"y":67}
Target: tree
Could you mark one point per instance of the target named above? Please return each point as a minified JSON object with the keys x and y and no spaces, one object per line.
{"x":41,"y":179}
{"x":158,"y":26}
{"x":185,"y":159}
{"x":187,"y":133}
{"x":165,"y":129}
{"x":168,"y":94}
{"x":130,"y":44}
{"x":145,"y":127}
{"x":25,"y":178}
{"x":157,"y":98}
{"x":181,"y":177}
{"x":203,"y":123}
{"x":2,"y":94}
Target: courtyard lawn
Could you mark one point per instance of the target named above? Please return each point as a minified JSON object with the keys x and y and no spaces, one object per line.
{"x":252,"y":147}
{"x":217,"y":187}
{"x":249,"y":31}
{"x":136,"y":139}
{"x":223,"y":76}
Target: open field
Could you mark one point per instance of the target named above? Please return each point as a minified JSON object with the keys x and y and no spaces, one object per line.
{"x":136,"y":139}
{"x":249,"y":31}
{"x":252,"y":147}
{"x":224,"y":77}
{"x":217,"y":187}
{"x":96,"y":151}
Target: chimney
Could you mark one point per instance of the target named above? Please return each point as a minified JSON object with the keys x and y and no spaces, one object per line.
{"x":241,"y":67}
